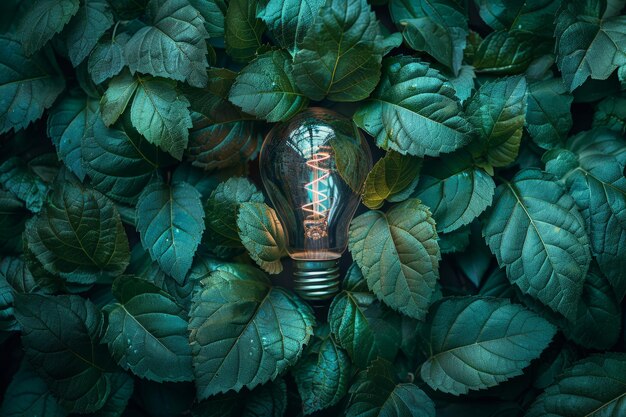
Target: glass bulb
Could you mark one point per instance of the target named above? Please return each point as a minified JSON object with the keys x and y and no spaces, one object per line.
{"x":313,"y":168}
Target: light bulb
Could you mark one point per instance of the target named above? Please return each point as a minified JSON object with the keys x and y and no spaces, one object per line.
{"x":313,"y":168}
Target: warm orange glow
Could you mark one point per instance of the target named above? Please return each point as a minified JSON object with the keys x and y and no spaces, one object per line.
{"x":317,"y":209}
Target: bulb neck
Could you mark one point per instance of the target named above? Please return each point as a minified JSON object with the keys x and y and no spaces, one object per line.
{"x":316,"y":280}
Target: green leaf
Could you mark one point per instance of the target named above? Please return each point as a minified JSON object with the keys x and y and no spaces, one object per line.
{"x":119,"y":164}
{"x":597,"y":184}
{"x":60,"y":338}
{"x":437,"y":27}
{"x":79,"y":235}
{"x":393,"y":178}
{"x":19,"y":179}
{"x":479,"y":342}
{"x":464,"y":82}
{"x":414,"y":110}
{"x":268,"y":400}
{"x":498,"y":112}
{"x":531,"y":16}
{"x":243,"y":30}
{"x":12,"y":217}
{"x":173,"y":46}
{"x":117,"y":97}
{"x":593,"y":387}
{"x":504,"y":52}
{"x":170,"y":221}
{"x":265,"y":88}
{"x":28,"y":86}
{"x":323,"y":373}
{"x":28,"y":395}
{"x":398,"y":254}
{"x":340,"y":54}
{"x":289,"y":21}
{"x":7,"y":318}
{"x":262,"y":235}
{"x":611,"y":113}
{"x":455,"y":241}
{"x":85,"y":29}
{"x":121,"y":389}
{"x":455,"y":190}
{"x":536,"y":232}
{"x":364,"y":327}
{"x":548,"y":117}
{"x":588,"y":45}
{"x":107,"y":58}
{"x":69,"y":123}
{"x":160,"y":113}
{"x":147,"y":331}
{"x":43,"y":20}
{"x":244,"y":332}
{"x":375,"y":393}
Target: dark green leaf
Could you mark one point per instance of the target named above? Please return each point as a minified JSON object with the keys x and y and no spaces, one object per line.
{"x":456,"y":241}
{"x":107,"y":58}
{"x":170,"y":220}
{"x":414,"y":110}
{"x":479,"y":342}
{"x":504,"y":52}
{"x":244,"y":332}
{"x":147,"y":331}
{"x":12,"y":217}
{"x":265,"y":88}
{"x":536,"y":232}
{"x":60,"y":337}
{"x":548,"y":117}
{"x":393,"y":178}
{"x":43,"y":20}
{"x":28,"y":86}
{"x":85,"y":29}
{"x":375,"y":393}
{"x":593,"y":387}
{"x":340,"y":54}
{"x":262,"y":235}
{"x":121,"y":389}
{"x":17,"y":177}
{"x":323,"y":373}
{"x":611,"y":113}
{"x":268,"y":400}
{"x":173,"y":46}
{"x":498,"y":112}
{"x":79,"y":235}
{"x":455,"y":190}
{"x":243,"y":30}
{"x":464,"y":82}
{"x":117,"y":96}
{"x":523,"y":15}
{"x":213,"y":13}
{"x":398,"y":254}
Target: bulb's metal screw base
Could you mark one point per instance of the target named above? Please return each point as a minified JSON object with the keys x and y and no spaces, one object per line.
{"x":316,"y":280}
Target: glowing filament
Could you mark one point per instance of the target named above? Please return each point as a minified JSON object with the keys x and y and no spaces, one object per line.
{"x":315,"y":222}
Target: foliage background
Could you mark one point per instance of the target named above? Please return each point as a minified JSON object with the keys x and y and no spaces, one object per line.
{"x":141,"y":271}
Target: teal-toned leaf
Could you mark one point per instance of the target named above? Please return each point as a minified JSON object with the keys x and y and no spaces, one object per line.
{"x":586,"y":44}
{"x":437,"y":27}
{"x":79,"y":235}
{"x":536,"y":231}
{"x":173,"y":46}
{"x":455,"y":241}
{"x":504,"y":52}
{"x":60,"y":337}
{"x":323,"y":373}
{"x":464,"y":82}
{"x":376,"y":393}
{"x":13,"y":215}
{"x":163,"y":399}
{"x":93,"y":18}
{"x":117,"y":97}
{"x":28,"y":395}
{"x":244,"y":332}
{"x":611,"y":113}
{"x":497,"y":285}
{"x":18,"y":178}
{"x":205,"y":184}
{"x":262,"y":235}
{"x":414,"y":110}
{"x":475,"y":260}
{"x":479,"y":342}
{"x":7,"y":317}
{"x":28,"y":86}
{"x":531,"y":16}
{"x":160,"y":113}
{"x":265,"y":88}
{"x":268,"y":400}
{"x":498,"y":112}
{"x":147,"y":331}
{"x":43,"y":20}
{"x":107,"y":58}
{"x":170,"y":220}
{"x":288,"y":21}
{"x":455,"y":190}
{"x":557,"y":359}
{"x":213,"y":12}
{"x":340,"y":55}
{"x":548,"y":117}
{"x":69,"y":123}
{"x":398,"y":254}
{"x":121,"y":389}
{"x":243,"y":30}
{"x":597,"y":184}
{"x":573,"y":394}
{"x":393,"y":178}
{"x":363,"y":326}
{"x":120,"y":164}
